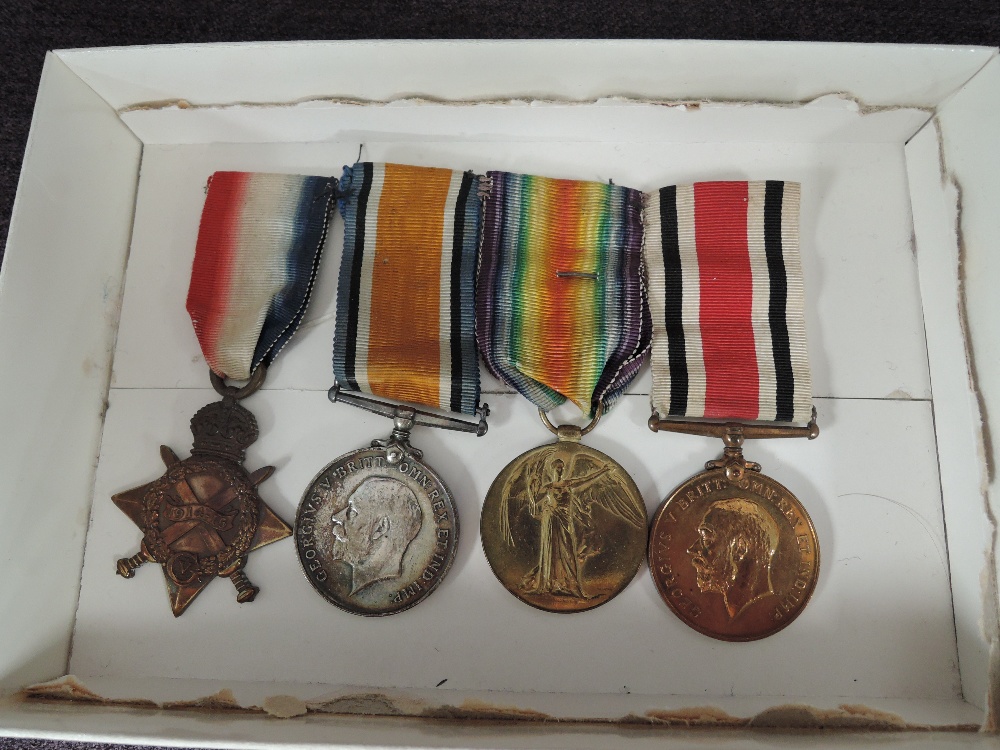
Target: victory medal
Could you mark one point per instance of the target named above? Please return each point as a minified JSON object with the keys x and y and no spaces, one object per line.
{"x":732,"y":552}
{"x":560,"y":317}
{"x":564,"y":526}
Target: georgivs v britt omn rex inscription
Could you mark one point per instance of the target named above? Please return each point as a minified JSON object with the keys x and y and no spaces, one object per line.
{"x":376,"y":536}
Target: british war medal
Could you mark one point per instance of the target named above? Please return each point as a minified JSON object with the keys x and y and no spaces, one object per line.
{"x":561,"y":316}
{"x":258,"y":251}
{"x":732,"y":552}
{"x":377,"y":529}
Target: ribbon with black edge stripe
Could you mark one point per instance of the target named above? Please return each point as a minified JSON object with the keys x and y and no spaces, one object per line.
{"x":405,"y":298}
{"x":727,"y":302}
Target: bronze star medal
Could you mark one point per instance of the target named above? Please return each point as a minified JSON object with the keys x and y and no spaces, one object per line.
{"x":259,"y":246}
{"x":203,"y":517}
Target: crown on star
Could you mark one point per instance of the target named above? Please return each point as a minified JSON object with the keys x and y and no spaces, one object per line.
{"x":223,"y":428}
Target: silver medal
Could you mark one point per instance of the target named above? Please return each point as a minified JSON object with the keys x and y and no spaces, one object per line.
{"x":376,"y":530}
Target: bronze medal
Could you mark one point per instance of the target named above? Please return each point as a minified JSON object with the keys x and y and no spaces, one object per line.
{"x":203,"y":517}
{"x":259,"y":245}
{"x":564,"y":526}
{"x":733,"y":553}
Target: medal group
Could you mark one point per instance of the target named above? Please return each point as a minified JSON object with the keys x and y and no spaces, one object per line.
{"x":563,"y":288}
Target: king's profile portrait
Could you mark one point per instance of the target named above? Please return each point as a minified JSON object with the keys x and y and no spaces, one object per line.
{"x":373,"y":531}
{"x":732,"y":554}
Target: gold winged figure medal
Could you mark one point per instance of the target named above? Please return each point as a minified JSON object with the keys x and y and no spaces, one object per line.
{"x":561,"y":316}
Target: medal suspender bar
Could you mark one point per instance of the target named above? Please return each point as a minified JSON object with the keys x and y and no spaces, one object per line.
{"x":732,"y":552}
{"x":377,"y":529}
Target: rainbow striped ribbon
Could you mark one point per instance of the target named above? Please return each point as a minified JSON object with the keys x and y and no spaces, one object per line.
{"x":726,"y":293}
{"x":561,"y":303}
{"x":405,"y":299}
{"x":258,"y":251}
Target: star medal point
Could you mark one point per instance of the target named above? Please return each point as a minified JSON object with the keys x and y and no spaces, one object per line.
{"x":203,"y":517}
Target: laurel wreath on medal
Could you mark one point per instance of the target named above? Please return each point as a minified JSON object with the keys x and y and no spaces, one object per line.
{"x":245,"y":523}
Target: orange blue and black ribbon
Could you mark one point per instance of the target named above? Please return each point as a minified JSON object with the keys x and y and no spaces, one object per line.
{"x":405,"y":298}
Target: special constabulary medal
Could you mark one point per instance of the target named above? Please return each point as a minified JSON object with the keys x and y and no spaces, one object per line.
{"x":734,"y":558}
{"x":561,"y":316}
{"x":377,"y":529}
{"x":732,"y":552}
{"x":258,"y":251}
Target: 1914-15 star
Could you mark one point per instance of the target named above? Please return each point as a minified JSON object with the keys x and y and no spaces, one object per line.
{"x":203,"y":517}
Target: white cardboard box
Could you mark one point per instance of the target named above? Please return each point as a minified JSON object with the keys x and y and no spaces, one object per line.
{"x":896,"y":150}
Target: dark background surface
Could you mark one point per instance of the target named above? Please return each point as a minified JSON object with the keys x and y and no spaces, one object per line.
{"x":29,"y":28}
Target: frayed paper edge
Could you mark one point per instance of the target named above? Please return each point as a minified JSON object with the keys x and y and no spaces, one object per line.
{"x":984,"y":439}
{"x":844,"y":98}
{"x":847,"y":717}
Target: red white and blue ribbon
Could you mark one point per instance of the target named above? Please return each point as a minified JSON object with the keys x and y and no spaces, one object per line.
{"x":258,"y":251}
{"x":726,"y":296}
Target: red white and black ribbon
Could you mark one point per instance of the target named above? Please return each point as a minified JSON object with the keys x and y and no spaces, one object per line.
{"x":726,"y":296}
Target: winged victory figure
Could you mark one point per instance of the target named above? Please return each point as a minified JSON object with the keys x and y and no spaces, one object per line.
{"x":560,"y":489}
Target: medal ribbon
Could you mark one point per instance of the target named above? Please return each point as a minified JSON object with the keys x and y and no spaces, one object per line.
{"x":258,"y":251}
{"x":561,"y":301}
{"x":726,"y":295}
{"x":405,"y":298}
